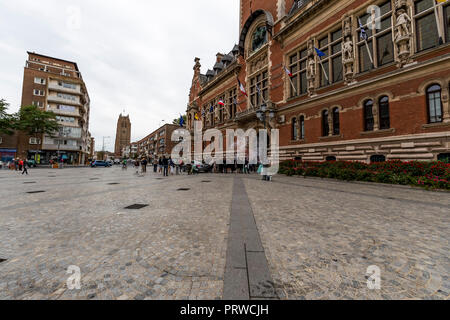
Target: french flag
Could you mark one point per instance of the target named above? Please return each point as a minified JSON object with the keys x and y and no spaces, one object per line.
{"x":288,"y":72}
{"x":221,"y":103}
{"x":242,"y":88}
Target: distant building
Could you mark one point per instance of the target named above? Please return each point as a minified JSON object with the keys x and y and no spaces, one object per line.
{"x":123,"y":135}
{"x":56,"y":85}
{"x":158,"y":143}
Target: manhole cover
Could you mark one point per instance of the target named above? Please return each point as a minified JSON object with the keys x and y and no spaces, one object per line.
{"x":2,"y":260}
{"x":136,"y":206}
{"x":31,"y":182}
{"x":113,"y":184}
{"x":183,"y":189}
{"x":206,"y":181}
{"x":40,"y":191}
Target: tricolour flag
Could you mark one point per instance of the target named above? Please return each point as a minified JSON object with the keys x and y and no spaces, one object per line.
{"x":242,"y":88}
{"x":221,"y":103}
{"x":319,"y":53}
{"x":211,"y":110}
{"x":288,"y":72}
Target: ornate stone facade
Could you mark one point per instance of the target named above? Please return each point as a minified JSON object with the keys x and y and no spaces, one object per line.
{"x":391,"y":91}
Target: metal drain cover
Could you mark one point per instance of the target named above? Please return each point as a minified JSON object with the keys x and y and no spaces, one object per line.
{"x":113,"y":184}
{"x":94,"y":179}
{"x":206,"y":181}
{"x":2,"y":260}
{"x":39,"y":191}
{"x":136,"y":206}
{"x":31,"y":182}
{"x":183,"y":189}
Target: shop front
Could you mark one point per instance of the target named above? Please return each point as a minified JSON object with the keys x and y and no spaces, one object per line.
{"x":7,"y":155}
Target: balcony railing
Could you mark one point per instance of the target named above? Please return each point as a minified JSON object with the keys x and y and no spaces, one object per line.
{"x":56,"y":87}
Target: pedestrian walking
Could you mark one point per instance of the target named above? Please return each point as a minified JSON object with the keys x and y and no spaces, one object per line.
{"x":136,"y":166}
{"x":160,"y":165}
{"x":165,"y":163}
{"x":144,"y":165}
{"x":155,"y":165}
{"x":24,"y":164}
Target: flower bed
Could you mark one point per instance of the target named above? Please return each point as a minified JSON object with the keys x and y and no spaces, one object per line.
{"x":430,"y":175}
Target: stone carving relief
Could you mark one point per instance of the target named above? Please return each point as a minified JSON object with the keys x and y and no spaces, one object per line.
{"x":348,"y":52}
{"x":402,"y":33}
{"x":311,"y":71}
{"x":258,"y":63}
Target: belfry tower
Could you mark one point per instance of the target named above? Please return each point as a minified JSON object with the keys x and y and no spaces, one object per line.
{"x":123,"y":134}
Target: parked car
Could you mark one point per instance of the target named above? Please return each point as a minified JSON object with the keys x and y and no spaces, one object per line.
{"x":98,"y":163}
{"x":31,"y":163}
{"x":201,"y":167}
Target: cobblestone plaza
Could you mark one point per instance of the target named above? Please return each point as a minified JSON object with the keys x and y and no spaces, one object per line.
{"x":218,"y":237}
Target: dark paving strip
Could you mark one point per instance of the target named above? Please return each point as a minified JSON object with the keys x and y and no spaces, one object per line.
{"x":32,"y":192}
{"x":31,"y":182}
{"x":136,"y":206}
{"x":247,"y":275}
{"x":183,"y":189}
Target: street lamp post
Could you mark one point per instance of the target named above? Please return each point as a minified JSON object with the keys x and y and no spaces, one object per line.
{"x":262,"y":114}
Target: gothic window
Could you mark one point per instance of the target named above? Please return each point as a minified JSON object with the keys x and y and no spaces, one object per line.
{"x":368,"y":115}
{"x":325,"y":125}
{"x":447,"y":22}
{"x":426,"y":27}
{"x":258,"y":97}
{"x":259,"y":38}
{"x":336,"y":124}
{"x":297,"y":66}
{"x":294,"y":129}
{"x":383,"y":107}
{"x":434,"y":103}
{"x":331,"y":45}
{"x":379,"y":38}
{"x":302,"y":127}
{"x":232,"y":103}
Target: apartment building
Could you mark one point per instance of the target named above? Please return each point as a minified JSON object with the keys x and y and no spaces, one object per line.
{"x":159,"y":143}
{"x":57,"y":85}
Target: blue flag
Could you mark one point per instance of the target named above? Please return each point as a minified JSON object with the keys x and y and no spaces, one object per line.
{"x":181,"y":121}
{"x":319,"y":53}
{"x":211,"y":110}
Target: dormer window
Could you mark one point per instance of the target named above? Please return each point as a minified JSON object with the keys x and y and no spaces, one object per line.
{"x":259,"y":38}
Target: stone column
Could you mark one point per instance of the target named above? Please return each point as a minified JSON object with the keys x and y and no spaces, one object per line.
{"x":376,"y":119}
{"x":445,"y":103}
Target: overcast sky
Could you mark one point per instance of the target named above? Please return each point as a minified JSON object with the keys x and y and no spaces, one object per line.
{"x":134,"y":55}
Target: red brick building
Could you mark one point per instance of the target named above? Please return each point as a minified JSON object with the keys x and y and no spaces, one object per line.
{"x":369,"y":94}
{"x":158,"y":143}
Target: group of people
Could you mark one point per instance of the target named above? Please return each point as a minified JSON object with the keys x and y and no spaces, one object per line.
{"x":164,"y":165}
{"x":18,"y":165}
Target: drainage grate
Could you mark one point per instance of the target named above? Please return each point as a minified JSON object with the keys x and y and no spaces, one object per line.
{"x":136,"y":206}
{"x":39,"y":191}
{"x":2,"y":260}
{"x":94,"y":179}
{"x":31,"y":182}
{"x":159,"y":178}
{"x":183,"y":189}
{"x":113,"y":184}
{"x":206,"y":181}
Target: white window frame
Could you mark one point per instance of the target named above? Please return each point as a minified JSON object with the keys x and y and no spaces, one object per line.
{"x":40,"y":93}
{"x":34,"y":140}
{"x":38,"y":80}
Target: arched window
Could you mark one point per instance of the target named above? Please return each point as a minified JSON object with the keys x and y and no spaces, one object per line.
{"x":434,"y":103}
{"x":330,"y":158}
{"x":336,"y":129}
{"x":383,"y":105}
{"x":377,"y":159}
{"x":368,"y":115}
{"x":302,"y":127}
{"x":294,"y":129}
{"x":325,"y":125}
{"x":444,"y":157}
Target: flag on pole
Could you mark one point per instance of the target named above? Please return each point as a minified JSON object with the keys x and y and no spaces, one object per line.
{"x":319,"y":53}
{"x":288,"y":72}
{"x":362,"y":33}
{"x":221,"y":103}
{"x":211,"y":110}
{"x":196,"y":117}
{"x":181,"y":121}
{"x":242,"y":88}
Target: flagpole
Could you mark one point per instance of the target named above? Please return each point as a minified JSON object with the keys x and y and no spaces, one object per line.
{"x":438,"y":24}
{"x":368,"y":52}
{"x":292,"y":84}
{"x":323,"y":69}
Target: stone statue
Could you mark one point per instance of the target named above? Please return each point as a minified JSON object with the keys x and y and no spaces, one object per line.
{"x":348,"y":53}
{"x":402,"y":35}
{"x":402,"y":27}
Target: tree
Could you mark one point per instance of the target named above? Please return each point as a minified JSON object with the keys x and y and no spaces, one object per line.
{"x":34,"y":121}
{"x":7,"y":121}
{"x":177,"y":121}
